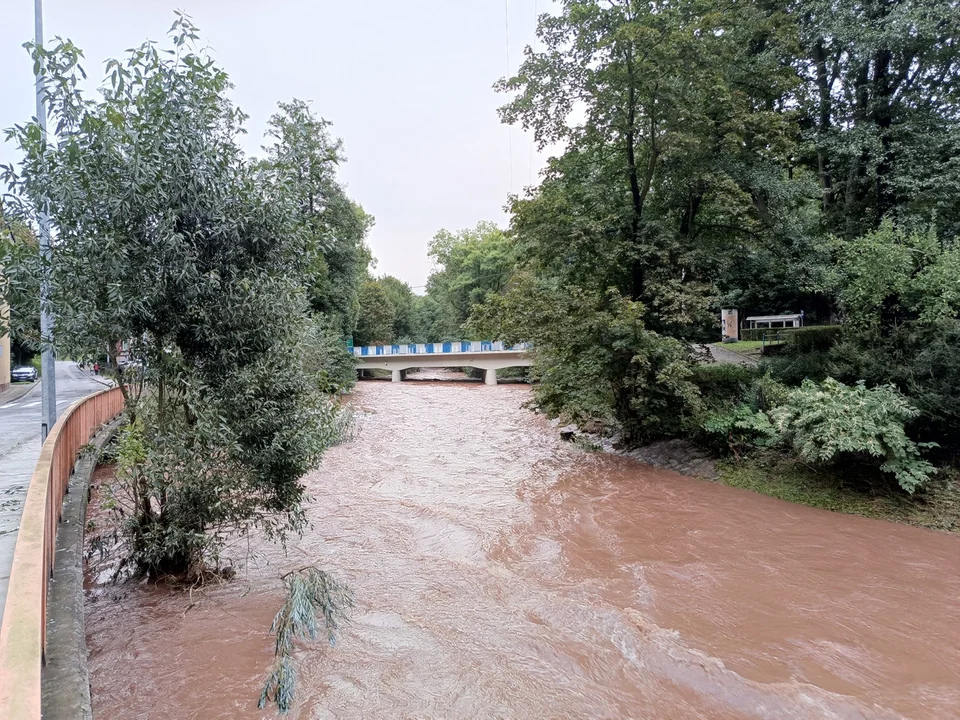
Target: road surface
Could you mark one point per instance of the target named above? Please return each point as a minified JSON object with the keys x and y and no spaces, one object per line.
{"x":20,"y":447}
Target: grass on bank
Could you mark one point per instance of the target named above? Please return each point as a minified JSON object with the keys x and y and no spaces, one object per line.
{"x":743,"y":346}
{"x":748,"y":347}
{"x":936,"y":507}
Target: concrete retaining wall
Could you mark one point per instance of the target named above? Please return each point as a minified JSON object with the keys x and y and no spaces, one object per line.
{"x":66,"y":681}
{"x":23,"y":629}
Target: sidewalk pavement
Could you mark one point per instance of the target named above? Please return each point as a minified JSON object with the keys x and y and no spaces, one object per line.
{"x":20,"y":448}
{"x":17,"y":391}
{"x":18,"y":467}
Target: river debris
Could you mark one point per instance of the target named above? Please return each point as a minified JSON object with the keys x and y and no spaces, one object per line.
{"x":311,"y":592}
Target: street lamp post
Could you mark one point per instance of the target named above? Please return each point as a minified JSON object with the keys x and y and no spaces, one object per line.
{"x":48,"y":397}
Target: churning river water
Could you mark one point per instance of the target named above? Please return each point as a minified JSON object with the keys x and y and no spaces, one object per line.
{"x":502,"y":573}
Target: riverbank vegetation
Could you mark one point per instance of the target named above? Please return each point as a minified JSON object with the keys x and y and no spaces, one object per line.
{"x":856,"y":491}
{"x":232,"y":280}
{"x":771,"y":159}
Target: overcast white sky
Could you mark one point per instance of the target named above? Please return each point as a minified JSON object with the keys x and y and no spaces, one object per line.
{"x":406,"y":83}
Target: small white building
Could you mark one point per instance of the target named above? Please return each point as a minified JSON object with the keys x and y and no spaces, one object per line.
{"x":774,"y":321}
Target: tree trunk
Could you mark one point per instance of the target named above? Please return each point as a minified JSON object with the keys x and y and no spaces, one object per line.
{"x":638,"y":189}
{"x":823,"y":123}
{"x":883,"y":118}
{"x":690,"y":214}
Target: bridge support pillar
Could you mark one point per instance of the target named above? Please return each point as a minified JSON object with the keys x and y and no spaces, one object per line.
{"x":490,"y":377}
{"x":398,"y":375}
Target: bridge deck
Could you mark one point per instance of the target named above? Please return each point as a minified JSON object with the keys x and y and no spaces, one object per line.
{"x":444,"y":348}
{"x":488,"y":356}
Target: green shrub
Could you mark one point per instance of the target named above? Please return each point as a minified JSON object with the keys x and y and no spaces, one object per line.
{"x":767,"y":393}
{"x":723,"y":383}
{"x":828,"y":334}
{"x":827,"y":422}
{"x":732,"y":416}
{"x":594,"y":359}
{"x":814,"y":338}
{"x":805,"y":355}
{"x":793,"y":368}
{"x":740,"y":429}
{"x":924,"y":362}
{"x":326,"y":359}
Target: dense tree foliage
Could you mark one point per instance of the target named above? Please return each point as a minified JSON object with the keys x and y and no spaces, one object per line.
{"x":772,"y":158}
{"x":822,"y":422}
{"x":388,"y":312}
{"x":303,"y":160}
{"x":20,"y":287}
{"x":168,"y":237}
{"x":879,"y":104}
{"x":595,"y":358}
{"x":467,"y":266}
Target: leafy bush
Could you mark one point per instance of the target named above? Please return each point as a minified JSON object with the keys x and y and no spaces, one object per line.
{"x":825,"y":422}
{"x":594,"y":358}
{"x":326,"y":359}
{"x":723,"y":383}
{"x":792,"y":368}
{"x":814,"y":338}
{"x":740,"y":429}
{"x":767,"y":393}
{"x":734,"y":397}
{"x":805,"y":355}
{"x":204,"y":463}
{"x":899,"y":294}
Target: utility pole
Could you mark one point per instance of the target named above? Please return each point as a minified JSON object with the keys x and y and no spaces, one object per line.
{"x":48,"y":366}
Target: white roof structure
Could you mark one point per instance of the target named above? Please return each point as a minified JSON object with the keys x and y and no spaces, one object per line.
{"x":773,"y":318}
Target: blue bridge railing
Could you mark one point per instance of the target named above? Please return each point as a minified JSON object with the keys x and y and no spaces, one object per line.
{"x":474,"y":346}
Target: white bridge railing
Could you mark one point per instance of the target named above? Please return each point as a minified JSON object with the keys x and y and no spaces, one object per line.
{"x":475,"y":346}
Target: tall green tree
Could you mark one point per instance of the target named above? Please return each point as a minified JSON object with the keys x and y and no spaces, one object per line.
{"x":676,"y":140}
{"x":388,"y":312}
{"x":303,"y":160}
{"x":880,"y":102}
{"x":404,"y":302}
{"x":468,"y":265}
{"x":377,"y":315}
{"x":167,"y":236}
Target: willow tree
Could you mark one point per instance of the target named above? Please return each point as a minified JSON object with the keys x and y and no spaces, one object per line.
{"x":169,"y":238}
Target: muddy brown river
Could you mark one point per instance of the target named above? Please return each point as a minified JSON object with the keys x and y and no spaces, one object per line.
{"x":502,"y":573}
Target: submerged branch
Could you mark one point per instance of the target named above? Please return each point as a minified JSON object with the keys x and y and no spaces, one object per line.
{"x":310,"y":592}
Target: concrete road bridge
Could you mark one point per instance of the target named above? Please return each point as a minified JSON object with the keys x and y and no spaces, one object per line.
{"x":483,"y":355}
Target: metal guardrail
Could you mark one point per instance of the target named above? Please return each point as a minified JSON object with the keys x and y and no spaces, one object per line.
{"x":473,"y":346}
{"x":23,"y":632}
